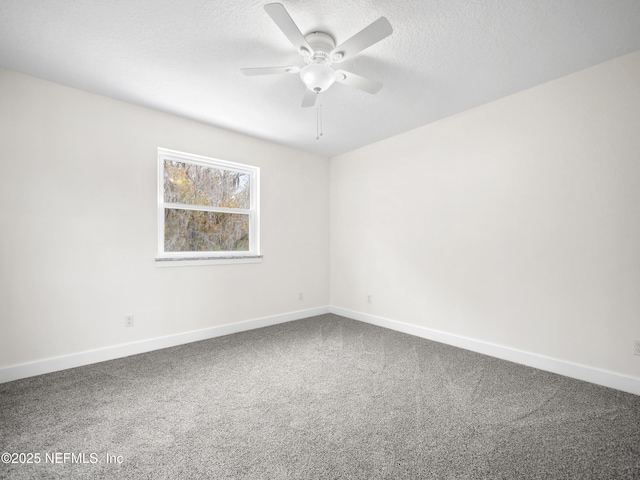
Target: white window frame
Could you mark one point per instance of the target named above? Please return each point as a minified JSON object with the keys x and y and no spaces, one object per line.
{"x":215,"y":257}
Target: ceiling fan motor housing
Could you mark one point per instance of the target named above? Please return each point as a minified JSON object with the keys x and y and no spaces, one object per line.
{"x":322,"y":44}
{"x":318,"y":75}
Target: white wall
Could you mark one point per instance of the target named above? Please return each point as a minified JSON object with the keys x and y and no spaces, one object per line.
{"x":78,"y":195}
{"x":516,"y":223}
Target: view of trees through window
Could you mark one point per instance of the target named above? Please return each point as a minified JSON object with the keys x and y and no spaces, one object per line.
{"x":206,"y":208}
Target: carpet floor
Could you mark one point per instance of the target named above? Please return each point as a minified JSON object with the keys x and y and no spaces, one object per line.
{"x":321,"y":398}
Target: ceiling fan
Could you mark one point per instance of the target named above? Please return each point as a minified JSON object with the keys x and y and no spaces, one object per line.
{"x":319,"y":52}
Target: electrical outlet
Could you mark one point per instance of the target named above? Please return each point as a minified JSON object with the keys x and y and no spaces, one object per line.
{"x":128,"y":320}
{"x":300,"y":296}
{"x":636,"y":347}
{"x":368,"y":298}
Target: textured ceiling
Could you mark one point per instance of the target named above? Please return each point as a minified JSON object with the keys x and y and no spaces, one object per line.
{"x":183,"y":57}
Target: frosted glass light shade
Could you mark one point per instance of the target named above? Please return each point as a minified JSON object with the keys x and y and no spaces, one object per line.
{"x":318,"y":77}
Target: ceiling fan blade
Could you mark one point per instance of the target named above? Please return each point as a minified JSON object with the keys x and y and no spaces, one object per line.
{"x":356,"y":81}
{"x":309,"y":99}
{"x":284,"y":21}
{"x":366,"y":37}
{"x":269,"y":70}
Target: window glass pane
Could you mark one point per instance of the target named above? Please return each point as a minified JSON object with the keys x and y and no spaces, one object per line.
{"x":196,"y":231}
{"x":198,"y":185}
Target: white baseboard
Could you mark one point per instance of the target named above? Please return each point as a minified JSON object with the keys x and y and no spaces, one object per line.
{"x":55,"y":364}
{"x":581,"y":372}
{"x":568,"y":369}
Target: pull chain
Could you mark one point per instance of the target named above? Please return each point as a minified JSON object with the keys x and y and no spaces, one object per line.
{"x":319,"y":122}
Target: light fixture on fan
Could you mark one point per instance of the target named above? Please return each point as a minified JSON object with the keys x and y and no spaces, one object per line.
{"x":318,"y":77}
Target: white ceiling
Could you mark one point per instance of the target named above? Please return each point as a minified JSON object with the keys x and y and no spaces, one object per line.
{"x":184,"y":56}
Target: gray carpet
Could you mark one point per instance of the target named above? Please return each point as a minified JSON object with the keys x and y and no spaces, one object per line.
{"x":325,"y":397}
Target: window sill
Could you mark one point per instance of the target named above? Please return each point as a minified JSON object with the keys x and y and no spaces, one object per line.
{"x":201,"y":261}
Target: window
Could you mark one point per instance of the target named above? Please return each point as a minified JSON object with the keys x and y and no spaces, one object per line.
{"x":207,"y":210}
